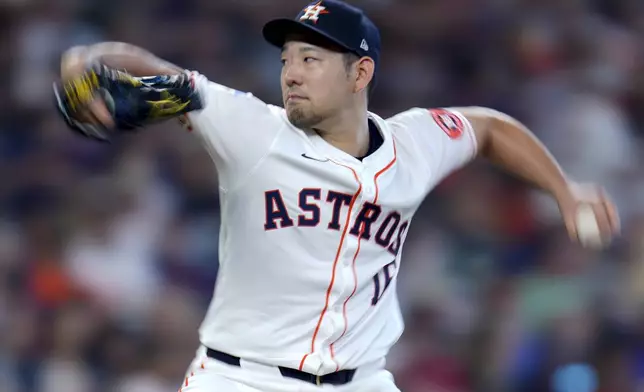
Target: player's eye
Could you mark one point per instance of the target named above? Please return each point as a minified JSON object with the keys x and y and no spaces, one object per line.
{"x":309,"y":59}
{"x":283,"y":62}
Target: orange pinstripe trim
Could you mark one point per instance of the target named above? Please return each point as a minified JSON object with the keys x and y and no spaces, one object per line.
{"x":389,"y":165}
{"x":192,"y":374}
{"x":355,"y":256}
{"x":302,"y":361}
{"x":344,"y":305}
{"x":335,"y":264}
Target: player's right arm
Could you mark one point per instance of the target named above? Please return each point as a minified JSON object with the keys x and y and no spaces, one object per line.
{"x":449,"y":138}
{"x":237,"y":129}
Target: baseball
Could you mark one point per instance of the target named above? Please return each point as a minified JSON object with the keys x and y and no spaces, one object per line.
{"x":588,"y":230}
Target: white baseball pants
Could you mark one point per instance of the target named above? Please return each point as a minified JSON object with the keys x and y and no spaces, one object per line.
{"x":210,"y":375}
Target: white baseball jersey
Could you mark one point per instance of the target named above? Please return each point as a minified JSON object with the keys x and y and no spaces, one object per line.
{"x":311,"y":237}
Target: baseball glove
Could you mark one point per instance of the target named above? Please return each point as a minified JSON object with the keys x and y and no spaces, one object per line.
{"x":133,"y":102}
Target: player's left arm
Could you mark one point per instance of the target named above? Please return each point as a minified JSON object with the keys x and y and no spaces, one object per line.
{"x":509,"y":144}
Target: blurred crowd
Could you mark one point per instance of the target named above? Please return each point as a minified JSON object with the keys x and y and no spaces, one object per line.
{"x":116,"y":245}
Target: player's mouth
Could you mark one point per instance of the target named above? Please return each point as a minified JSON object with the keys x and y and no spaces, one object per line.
{"x":294,"y":97}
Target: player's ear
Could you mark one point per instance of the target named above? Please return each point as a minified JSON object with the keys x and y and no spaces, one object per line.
{"x":365,"y":68}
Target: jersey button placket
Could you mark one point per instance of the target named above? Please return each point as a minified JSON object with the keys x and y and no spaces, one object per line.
{"x":349,"y":252}
{"x":368,"y":186}
{"x":352,"y":240}
{"x":345,"y":269}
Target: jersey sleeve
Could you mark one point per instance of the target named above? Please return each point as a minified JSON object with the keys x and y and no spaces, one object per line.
{"x":236,"y":128}
{"x":443,"y":137}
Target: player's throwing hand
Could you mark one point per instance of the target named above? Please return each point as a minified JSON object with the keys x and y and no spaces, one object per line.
{"x":590,"y":216}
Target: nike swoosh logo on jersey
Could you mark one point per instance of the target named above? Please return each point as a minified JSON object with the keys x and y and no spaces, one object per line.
{"x":315,"y":159}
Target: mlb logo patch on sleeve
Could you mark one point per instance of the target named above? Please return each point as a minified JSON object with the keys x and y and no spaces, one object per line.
{"x":449,"y":122}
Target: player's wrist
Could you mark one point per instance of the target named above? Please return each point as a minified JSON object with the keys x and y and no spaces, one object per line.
{"x":564,"y":191}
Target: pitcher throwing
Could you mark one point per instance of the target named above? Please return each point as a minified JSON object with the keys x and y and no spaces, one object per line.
{"x":317,"y":197}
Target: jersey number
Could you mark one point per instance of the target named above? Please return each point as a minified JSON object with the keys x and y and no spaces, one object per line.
{"x":381,"y":281}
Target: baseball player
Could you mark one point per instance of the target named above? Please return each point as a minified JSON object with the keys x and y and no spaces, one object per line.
{"x":317,"y":198}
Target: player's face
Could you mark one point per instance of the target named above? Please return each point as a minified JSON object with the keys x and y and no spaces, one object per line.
{"x":315,"y":83}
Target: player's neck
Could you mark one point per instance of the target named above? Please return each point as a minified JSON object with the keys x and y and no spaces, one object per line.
{"x":349,"y":132}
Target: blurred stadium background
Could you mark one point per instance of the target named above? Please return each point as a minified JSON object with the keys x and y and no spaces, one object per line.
{"x":108,"y":254}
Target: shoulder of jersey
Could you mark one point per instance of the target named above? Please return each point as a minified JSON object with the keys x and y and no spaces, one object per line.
{"x":232,"y":91}
{"x":184,"y":120}
{"x":448,"y":121}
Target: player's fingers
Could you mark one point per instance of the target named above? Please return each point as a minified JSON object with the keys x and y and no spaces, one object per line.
{"x":568,"y":213}
{"x":611,"y":212}
{"x":603,"y":221}
{"x":99,"y":111}
{"x":571,"y":227}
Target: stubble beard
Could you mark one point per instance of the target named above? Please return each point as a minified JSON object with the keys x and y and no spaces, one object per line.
{"x":302,"y":119}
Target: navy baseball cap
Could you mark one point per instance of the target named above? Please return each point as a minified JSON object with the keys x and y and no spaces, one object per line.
{"x":333,"y":20}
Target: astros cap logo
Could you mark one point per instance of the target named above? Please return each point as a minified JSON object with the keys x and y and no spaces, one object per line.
{"x":313,"y":12}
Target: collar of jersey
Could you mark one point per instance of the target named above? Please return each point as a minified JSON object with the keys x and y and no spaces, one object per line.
{"x":383,"y":155}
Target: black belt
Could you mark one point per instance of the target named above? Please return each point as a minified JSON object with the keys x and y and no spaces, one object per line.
{"x":338,"y":378}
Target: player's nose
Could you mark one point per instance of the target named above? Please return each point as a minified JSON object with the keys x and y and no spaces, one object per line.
{"x":292,"y":76}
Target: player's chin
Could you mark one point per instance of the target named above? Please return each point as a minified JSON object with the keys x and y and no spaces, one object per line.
{"x":295,"y":104}
{"x":297,"y":116}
